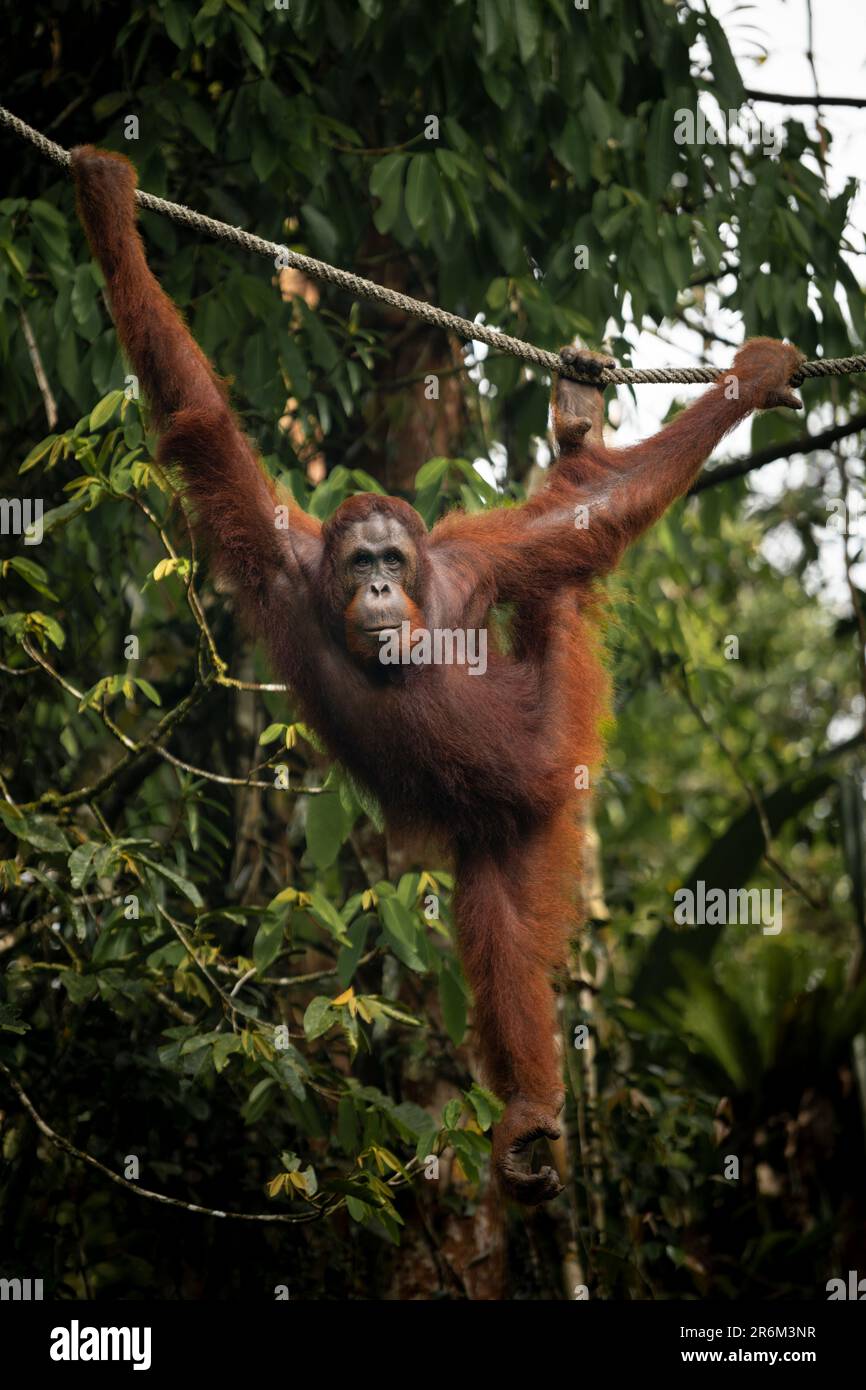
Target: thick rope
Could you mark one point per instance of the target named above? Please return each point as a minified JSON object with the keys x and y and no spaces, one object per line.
{"x":463,"y":328}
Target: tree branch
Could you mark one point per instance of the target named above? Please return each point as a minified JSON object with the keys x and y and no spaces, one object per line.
{"x":45,"y":391}
{"x":59,"y":1142}
{"x":803,"y":444}
{"x":804,"y":101}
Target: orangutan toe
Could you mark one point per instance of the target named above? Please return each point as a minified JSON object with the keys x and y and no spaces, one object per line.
{"x":521,"y":1184}
{"x":522,"y":1124}
{"x":590,"y":364}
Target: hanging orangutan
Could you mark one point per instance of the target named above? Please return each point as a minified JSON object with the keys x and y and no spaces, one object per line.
{"x":488,"y":759}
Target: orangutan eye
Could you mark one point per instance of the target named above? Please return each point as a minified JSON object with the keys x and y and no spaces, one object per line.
{"x":362,"y":559}
{"x":394,"y":557}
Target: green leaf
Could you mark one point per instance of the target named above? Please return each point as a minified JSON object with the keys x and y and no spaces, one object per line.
{"x":728,"y":863}
{"x":80,"y":988}
{"x":492,"y":27}
{"x":319,"y":1017}
{"x":321,"y":230}
{"x":224,"y":1046}
{"x":288,"y":1066}
{"x":80,"y":861}
{"x":325,"y":913}
{"x":250,"y":44}
{"x":451,"y":1114}
{"x":199,"y":121}
{"x":44,"y":628}
{"x":327,"y":828}
{"x":103,"y":412}
{"x":151,"y":693}
{"x":46,"y":212}
{"x":268,"y":940}
{"x":452,"y":997}
{"x":432,"y":472}
{"x":258,"y":1100}
{"x":347,"y":960}
{"x":38,"y":452}
{"x":662,"y":158}
{"x":712,"y":248}
{"x":105,"y":107}
{"x":421,"y":184}
{"x":527,"y":23}
{"x":487,"y":1108}
{"x":471,"y":1150}
{"x":322,"y":345}
{"x":85,"y":309}
{"x":428,"y":482}
{"x":36,"y":830}
{"x":292,"y":362}
{"x":265,"y":155}
{"x":11,"y":1021}
{"x":177,"y":22}
{"x":33,"y":574}
{"x":728,"y":87}
{"x":386,"y":184}
{"x":402,"y":932}
{"x":272,"y":733}
{"x":598,"y":113}
{"x":57,"y":516}
{"x":186,"y":887}
{"x":712,"y":1016}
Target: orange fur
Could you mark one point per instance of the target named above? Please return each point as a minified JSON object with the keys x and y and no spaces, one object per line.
{"x":487,"y":759}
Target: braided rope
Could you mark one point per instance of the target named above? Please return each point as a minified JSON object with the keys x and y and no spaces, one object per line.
{"x":429,"y":313}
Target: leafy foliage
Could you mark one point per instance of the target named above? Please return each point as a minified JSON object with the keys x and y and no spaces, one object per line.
{"x":207,"y":963}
